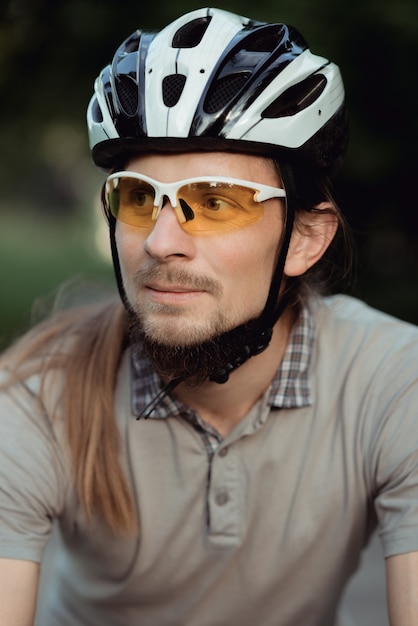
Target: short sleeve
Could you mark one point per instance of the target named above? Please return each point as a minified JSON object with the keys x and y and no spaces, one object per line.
{"x":33,"y":477}
{"x":394,"y":456}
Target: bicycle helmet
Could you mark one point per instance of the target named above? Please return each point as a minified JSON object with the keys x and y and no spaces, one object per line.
{"x":216,"y":80}
{"x":213,"y":80}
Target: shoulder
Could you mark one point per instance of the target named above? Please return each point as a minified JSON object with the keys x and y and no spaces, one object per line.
{"x":346,"y":309}
{"x":353,"y":325}
{"x":69,"y":335}
{"x":35,"y":472}
{"x":363,"y":355}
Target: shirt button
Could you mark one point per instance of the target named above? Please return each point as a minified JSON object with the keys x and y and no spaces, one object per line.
{"x":223,"y":452}
{"x":221,"y":498}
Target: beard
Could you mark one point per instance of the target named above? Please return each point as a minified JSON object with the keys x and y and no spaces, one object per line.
{"x":193,"y":364}
{"x":198,"y":355}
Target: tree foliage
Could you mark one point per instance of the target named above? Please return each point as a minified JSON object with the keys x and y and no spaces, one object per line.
{"x":51,"y":51}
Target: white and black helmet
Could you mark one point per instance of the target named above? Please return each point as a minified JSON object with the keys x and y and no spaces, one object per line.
{"x":216,"y":80}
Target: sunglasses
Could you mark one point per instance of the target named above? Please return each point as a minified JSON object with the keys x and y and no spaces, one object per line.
{"x":202,"y":205}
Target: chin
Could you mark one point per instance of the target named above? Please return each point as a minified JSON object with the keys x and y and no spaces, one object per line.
{"x":175,"y":335}
{"x":177,"y":330}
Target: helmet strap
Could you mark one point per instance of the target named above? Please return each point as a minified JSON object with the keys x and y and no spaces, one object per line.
{"x":115,"y":260}
{"x":275,"y":305}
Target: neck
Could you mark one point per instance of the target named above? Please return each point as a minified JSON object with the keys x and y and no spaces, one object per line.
{"x":224,"y":405}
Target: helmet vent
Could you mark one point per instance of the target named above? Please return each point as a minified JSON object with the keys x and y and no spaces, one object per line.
{"x":224,"y":90}
{"x":173,"y":88}
{"x":264,"y":39}
{"x":128,"y":94}
{"x":131,"y":44}
{"x":191,"y":34}
{"x":96,"y":112}
{"x":296,"y":98}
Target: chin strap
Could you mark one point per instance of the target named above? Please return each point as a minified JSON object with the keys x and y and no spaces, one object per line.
{"x":246,"y":352}
{"x":275,"y":305}
{"x":148,"y":410}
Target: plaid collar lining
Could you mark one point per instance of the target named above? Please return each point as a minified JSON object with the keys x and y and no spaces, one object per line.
{"x":290,"y":387}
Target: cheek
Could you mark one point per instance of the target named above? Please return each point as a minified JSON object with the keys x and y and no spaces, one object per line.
{"x":247,"y":260}
{"x":130,"y":246}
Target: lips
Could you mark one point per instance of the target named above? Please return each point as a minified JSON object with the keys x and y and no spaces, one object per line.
{"x":171,"y":288}
{"x":175,"y":280}
{"x":171,"y":295}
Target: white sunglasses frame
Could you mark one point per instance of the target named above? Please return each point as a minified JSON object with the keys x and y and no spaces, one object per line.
{"x":169,"y":190}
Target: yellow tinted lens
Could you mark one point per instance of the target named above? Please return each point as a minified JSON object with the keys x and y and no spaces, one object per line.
{"x":131,"y":201}
{"x":218,"y":206}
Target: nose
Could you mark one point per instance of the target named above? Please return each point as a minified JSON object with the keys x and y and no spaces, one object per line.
{"x":167,"y":238}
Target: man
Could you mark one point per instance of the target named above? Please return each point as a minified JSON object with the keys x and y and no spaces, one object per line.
{"x":218,"y":449}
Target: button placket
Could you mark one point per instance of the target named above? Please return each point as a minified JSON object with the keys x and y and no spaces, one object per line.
{"x":222,"y":497}
{"x":225,"y":498}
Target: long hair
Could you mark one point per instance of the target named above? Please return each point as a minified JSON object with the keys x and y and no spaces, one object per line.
{"x":86,"y":344}
{"x":334,"y":272}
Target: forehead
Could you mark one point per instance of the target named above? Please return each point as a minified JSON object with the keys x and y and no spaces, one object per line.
{"x":169,"y":167}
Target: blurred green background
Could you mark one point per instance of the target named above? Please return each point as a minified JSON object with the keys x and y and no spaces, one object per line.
{"x":50,"y":52}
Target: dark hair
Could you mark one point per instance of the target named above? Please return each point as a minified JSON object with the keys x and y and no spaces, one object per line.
{"x":334,"y":271}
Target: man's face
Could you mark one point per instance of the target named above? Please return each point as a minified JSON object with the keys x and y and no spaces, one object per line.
{"x":186,"y":288}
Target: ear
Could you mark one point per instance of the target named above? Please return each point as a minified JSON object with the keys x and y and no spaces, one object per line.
{"x":311,"y":236}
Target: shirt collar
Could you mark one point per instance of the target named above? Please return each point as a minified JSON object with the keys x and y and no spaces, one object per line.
{"x":290,"y":388}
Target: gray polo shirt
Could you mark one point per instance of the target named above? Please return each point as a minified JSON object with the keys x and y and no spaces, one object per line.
{"x":265,"y":526}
